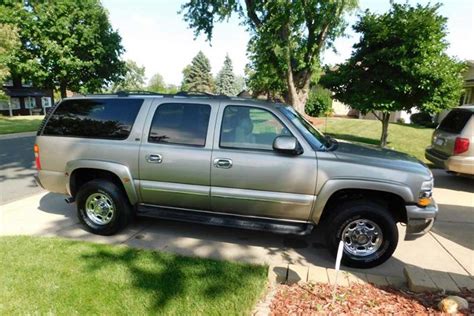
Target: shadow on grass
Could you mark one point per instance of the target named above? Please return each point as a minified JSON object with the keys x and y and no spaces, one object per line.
{"x":355,"y":138}
{"x":169,"y":277}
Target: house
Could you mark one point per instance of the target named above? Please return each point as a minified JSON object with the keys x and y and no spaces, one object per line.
{"x":24,"y":99}
{"x":468,"y":97}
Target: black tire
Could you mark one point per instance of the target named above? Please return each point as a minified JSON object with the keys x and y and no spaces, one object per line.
{"x":121,"y":214}
{"x":371,"y":212}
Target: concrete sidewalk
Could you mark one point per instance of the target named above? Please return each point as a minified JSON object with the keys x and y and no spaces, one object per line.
{"x":448,"y":248}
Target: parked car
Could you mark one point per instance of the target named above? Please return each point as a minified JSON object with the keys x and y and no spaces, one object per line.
{"x":229,"y":162}
{"x":452,"y":145}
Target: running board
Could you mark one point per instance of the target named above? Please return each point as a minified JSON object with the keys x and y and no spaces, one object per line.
{"x":235,"y":221}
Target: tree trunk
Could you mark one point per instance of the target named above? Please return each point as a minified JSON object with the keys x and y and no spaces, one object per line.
{"x":62,"y":89}
{"x":383,"y":138}
{"x":297,"y":96}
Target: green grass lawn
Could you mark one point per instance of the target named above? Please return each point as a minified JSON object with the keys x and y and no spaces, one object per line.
{"x":409,"y":139}
{"x":56,"y":276}
{"x":18,"y":124}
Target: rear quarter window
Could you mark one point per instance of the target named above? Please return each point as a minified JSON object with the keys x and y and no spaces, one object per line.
{"x":93,"y":118}
{"x":455,"y":121}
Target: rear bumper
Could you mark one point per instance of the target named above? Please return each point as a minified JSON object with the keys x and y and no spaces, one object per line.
{"x":52,"y":181}
{"x":435,"y":157}
{"x":420,"y":220}
{"x":460,"y":164}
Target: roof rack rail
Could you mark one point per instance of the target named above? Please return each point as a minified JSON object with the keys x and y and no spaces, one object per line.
{"x":126,"y":93}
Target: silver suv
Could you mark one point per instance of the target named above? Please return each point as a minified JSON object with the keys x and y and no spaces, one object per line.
{"x":229,"y":162}
{"x":452,"y":143}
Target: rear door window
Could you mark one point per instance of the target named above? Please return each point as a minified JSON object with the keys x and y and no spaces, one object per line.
{"x":455,"y":121}
{"x":180,"y":123}
{"x":94,"y":118}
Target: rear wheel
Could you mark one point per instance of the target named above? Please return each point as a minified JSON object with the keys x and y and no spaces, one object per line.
{"x":102,"y":207}
{"x":368,"y":230}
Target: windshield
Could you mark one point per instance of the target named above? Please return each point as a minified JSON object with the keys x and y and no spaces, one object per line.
{"x":317,"y":139}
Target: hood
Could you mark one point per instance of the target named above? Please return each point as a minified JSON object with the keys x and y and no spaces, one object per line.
{"x":376,"y":156}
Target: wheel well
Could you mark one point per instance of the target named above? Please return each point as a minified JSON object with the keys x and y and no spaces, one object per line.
{"x":81,"y":176}
{"x":395,"y":203}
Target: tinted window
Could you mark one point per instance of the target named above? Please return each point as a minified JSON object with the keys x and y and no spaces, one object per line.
{"x":180,"y":123}
{"x":250,"y":128}
{"x":94,"y":118}
{"x":455,"y":121}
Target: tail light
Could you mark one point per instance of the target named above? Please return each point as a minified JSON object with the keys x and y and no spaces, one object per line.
{"x":37,"y":157}
{"x":461,"y":145}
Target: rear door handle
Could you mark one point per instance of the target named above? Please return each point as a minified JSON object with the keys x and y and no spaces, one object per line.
{"x":154,"y":158}
{"x":224,"y":163}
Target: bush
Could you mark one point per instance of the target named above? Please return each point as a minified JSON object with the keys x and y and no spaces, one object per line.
{"x":319,"y":102}
{"x":422,"y":118}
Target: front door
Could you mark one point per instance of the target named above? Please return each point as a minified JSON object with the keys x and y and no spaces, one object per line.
{"x":248,"y":177}
{"x":175,"y":155}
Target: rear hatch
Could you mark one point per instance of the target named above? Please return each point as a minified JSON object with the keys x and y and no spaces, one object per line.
{"x":450,"y":127}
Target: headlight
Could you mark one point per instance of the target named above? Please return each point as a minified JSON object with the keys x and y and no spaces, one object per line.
{"x":426,"y":192}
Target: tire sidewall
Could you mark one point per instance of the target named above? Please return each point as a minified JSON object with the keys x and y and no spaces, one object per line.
{"x":377,"y":214}
{"x":121,"y":208}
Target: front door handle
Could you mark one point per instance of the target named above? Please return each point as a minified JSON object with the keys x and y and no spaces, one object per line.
{"x":223,"y":163}
{"x":154,"y":158}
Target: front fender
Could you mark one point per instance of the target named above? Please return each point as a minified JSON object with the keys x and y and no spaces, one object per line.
{"x":121,"y":171}
{"x":332,"y":186}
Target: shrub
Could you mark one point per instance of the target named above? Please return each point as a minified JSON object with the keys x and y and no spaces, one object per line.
{"x":422,"y":118}
{"x":319,"y":102}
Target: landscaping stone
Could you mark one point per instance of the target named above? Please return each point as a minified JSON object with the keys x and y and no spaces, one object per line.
{"x":277,"y":274}
{"x":418,"y":280}
{"x":453,"y":304}
{"x":317,"y":275}
{"x":296,"y":274}
{"x":357,"y":278}
{"x":463,"y":281}
{"x":377,"y":280}
{"x":396,"y":282}
{"x":341,"y":279}
{"x":443,"y":281}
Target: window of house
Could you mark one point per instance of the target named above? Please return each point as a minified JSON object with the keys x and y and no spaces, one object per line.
{"x":250,"y":128}
{"x":180,"y":123}
{"x":30,"y":103}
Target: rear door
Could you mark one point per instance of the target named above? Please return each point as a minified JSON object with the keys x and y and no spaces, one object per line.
{"x":175,"y":154}
{"x":248,"y":177}
{"x":450,"y":127}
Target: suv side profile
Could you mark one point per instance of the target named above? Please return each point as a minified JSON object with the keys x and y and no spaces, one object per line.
{"x":230,"y":162}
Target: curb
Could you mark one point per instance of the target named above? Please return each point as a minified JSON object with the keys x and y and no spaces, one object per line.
{"x":17,"y":135}
{"x":416,"y":279}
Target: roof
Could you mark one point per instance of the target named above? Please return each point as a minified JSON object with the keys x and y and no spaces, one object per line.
{"x":179,"y":95}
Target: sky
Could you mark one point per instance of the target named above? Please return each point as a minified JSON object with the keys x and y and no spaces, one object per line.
{"x":155,"y":35}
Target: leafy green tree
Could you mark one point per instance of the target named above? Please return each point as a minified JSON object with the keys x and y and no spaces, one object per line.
{"x":399,"y":63}
{"x":319,"y":101}
{"x":239,"y":84}
{"x":197,"y":76}
{"x":225,"y":79}
{"x":134,"y":78}
{"x":287,"y":38}
{"x":64,"y":44}
{"x":9,"y":44}
{"x":157,"y":84}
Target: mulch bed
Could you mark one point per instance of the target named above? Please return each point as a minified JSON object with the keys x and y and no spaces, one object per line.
{"x":316,"y":299}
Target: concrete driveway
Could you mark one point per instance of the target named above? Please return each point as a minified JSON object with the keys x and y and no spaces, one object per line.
{"x":449,"y":247}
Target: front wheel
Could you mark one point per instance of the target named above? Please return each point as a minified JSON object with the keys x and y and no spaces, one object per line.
{"x":102,"y":207}
{"x":368,"y":230}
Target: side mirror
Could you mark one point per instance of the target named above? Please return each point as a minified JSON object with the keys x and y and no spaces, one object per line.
{"x":287,"y":145}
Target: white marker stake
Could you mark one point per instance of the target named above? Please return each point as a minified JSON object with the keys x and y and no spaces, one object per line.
{"x":338,"y":266}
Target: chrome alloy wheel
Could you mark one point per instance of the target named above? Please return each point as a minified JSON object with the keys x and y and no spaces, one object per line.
{"x":100,"y":208}
{"x":362,"y":237}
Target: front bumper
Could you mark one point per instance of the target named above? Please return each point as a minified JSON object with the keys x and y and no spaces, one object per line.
{"x":420,"y":220}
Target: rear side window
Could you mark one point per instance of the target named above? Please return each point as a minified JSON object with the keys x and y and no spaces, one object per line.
{"x":180,"y":123}
{"x":455,"y":121}
{"x":94,"y":118}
